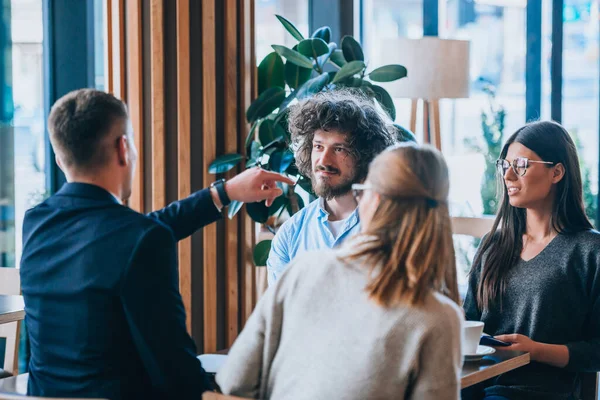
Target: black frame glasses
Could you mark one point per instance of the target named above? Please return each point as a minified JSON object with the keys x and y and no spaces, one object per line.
{"x":519,"y":165}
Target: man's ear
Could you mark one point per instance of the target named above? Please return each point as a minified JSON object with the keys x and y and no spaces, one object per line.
{"x":558,"y":173}
{"x":122,"y":150}
{"x":59,"y":163}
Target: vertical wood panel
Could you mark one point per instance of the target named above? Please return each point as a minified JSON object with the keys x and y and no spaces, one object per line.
{"x":209,"y":129}
{"x":119,"y":48}
{"x":170,"y":48}
{"x":231,"y":146}
{"x":157,"y":76}
{"x":184,"y":146}
{"x":116,"y":66}
{"x":108,"y":46}
{"x":247,"y":228}
{"x":135,"y":98}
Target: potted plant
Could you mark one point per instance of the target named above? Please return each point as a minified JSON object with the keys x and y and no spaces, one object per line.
{"x":286,"y":75}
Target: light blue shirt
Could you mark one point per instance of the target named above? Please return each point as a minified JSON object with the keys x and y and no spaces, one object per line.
{"x":308,"y":229}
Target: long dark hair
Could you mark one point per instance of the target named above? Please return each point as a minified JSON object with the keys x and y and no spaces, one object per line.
{"x":503,"y":245}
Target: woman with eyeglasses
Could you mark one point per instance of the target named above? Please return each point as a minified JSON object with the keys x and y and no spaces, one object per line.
{"x":535,"y":281}
{"x":368,"y":320}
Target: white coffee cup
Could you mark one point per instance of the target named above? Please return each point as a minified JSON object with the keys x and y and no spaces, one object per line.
{"x":472,"y":331}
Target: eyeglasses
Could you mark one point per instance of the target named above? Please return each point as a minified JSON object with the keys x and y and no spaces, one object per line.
{"x":519,"y":165}
{"x":358,"y":189}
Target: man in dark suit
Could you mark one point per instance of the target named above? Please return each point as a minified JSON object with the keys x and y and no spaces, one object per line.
{"x":103,"y":309}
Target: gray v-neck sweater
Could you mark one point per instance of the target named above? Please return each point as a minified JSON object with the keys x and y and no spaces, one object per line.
{"x":553,"y":298}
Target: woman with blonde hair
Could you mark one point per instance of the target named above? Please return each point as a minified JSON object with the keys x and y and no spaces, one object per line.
{"x":370,"y":319}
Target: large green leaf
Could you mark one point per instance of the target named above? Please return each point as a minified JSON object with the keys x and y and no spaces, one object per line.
{"x":313,"y":86}
{"x":290,"y":27}
{"x":277,"y":205}
{"x":288,"y":100}
{"x":353,"y":82}
{"x":281,"y":160}
{"x":292,"y":56}
{"x":403,"y":134}
{"x":258,"y":212}
{"x":348,"y":70}
{"x":324,"y":33}
{"x":384,"y":98}
{"x":322,"y":60}
{"x":270,"y":72}
{"x":269,"y":131}
{"x":388,"y":73}
{"x":224,"y":163}
{"x":255,"y":154}
{"x":233,"y":208}
{"x":266,"y":103}
{"x":250,"y":136}
{"x":313,"y":48}
{"x":337,"y":57}
{"x":305,"y":184}
{"x":295,"y":76}
{"x":261,"y":253}
{"x":352,"y":50}
{"x":300,"y":204}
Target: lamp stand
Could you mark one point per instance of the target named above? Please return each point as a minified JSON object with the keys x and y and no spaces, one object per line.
{"x":431,"y":121}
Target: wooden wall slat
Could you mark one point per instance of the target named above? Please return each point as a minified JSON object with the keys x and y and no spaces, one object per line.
{"x":108,"y":48}
{"x":184,"y":146}
{"x":231,"y":146}
{"x":209,"y":129}
{"x":119,"y":47}
{"x":248,"y":227}
{"x":135,"y":97}
{"x":221,"y":258}
{"x":157,"y":99}
{"x":116,"y":65}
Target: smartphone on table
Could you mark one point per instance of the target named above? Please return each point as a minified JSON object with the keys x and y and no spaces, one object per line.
{"x":487,"y":340}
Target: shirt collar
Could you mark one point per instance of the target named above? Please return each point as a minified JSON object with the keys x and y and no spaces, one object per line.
{"x":324,"y":215}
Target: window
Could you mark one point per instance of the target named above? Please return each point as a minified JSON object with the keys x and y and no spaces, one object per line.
{"x":497,"y":62}
{"x":23,"y":159}
{"x":99,"y":44}
{"x":388,"y":19}
{"x":580,"y":94}
{"x":270,"y":31}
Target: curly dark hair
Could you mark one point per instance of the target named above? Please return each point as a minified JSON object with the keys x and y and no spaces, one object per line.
{"x":368,"y":130}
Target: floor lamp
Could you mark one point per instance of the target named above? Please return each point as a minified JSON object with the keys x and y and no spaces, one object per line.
{"x":437,"y":69}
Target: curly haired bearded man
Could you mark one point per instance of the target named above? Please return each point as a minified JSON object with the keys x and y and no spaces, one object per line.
{"x":336,"y":135}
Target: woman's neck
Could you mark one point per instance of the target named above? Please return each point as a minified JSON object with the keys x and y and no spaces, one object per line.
{"x":539,"y":224}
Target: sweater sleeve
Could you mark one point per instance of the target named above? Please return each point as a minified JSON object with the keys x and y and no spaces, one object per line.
{"x":584,"y":355}
{"x":472,"y":312}
{"x":440,"y":360}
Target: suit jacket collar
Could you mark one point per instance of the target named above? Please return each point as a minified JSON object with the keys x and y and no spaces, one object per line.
{"x":78,"y":189}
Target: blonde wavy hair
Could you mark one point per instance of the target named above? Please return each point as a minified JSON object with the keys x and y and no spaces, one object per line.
{"x":409,"y":239}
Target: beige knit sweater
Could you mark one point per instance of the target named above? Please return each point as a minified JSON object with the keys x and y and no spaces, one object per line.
{"x":316,"y":335}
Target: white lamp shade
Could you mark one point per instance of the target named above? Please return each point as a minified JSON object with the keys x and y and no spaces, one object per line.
{"x":436,"y":68}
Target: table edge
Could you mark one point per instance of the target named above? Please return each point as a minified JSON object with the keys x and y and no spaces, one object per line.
{"x":495,"y":370}
{"x":12,"y":316}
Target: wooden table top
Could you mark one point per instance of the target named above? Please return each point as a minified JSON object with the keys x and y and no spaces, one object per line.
{"x":492,"y":365}
{"x":12,"y":308}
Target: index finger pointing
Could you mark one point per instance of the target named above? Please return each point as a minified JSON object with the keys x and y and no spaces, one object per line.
{"x":276,"y":177}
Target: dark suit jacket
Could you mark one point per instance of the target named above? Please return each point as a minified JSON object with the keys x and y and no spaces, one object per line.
{"x":103,"y":309}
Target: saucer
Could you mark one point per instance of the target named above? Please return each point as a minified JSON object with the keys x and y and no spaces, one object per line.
{"x":481,"y":352}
